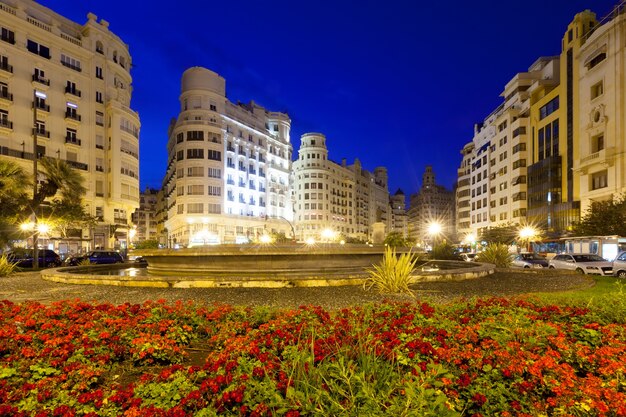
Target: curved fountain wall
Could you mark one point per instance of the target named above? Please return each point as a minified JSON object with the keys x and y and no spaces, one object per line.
{"x":261,"y":266}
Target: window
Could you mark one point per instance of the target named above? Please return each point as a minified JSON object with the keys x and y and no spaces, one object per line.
{"x":99,"y":118}
{"x":99,"y":97}
{"x":4,"y":119}
{"x":99,"y":141}
{"x":519,"y":147}
{"x":597,"y":90}
{"x":195,"y":153}
{"x":195,"y":208}
{"x":503,"y":141}
{"x":70,"y":136}
{"x":214,"y":190}
{"x":180,"y":155}
{"x":180,"y":209}
{"x":503,"y":156}
{"x":38,"y":49}
{"x":195,"y":171}
{"x":519,"y":131}
{"x":196,"y":189}
{"x":99,"y":73}
{"x":215,"y":208}
{"x":4,"y":90}
{"x":596,"y":60}
{"x":8,"y":36}
{"x":195,"y":135}
{"x":180,"y":138}
{"x":597,"y":143}
{"x":599,"y":180}
{"x":519,"y":163}
{"x":549,"y":108}
{"x":215,"y":155}
{"x":70,"y":62}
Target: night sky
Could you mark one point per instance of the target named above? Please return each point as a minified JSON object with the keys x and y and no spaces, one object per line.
{"x":393,"y":83}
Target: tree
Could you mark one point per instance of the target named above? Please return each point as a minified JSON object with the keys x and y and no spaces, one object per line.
{"x":603,"y":218}
{"x":147,"y":244}
{"x":395,"y":239}
{"x":500,"y":234}
{"x":59,"y":178}
{"x":13,"y":198}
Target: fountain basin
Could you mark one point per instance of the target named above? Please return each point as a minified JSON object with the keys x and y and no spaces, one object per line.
{"x":257,"y":266}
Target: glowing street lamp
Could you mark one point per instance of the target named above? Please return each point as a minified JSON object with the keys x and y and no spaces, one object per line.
{"x":310,"y":241}
{"x":328,"y":234}
{"x":265,"y":239}
{"x":434,"y":228}
{"x":527,"y":234}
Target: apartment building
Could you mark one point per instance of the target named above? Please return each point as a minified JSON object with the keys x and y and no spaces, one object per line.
{"x":145,"y":217}
{"x":432,"y":204}
{"x":463,"y":193}
{"x":399,"y":220}
{"x":336,"y":199}
{"x":600,"y":167}
{"x":553,"y":192}
{"x":227,"y":179}
{"x":66,"y":87}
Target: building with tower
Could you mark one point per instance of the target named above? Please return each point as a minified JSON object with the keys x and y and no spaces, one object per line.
{"x":432,"y":204}
{"x":336,"y":199}
{"x":227,"y":179}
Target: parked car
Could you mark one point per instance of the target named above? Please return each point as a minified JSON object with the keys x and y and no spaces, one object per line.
{"x":619,"y":265}
{"x":23,"y":258}
{"x":583,"y":263}
{"x":468,"y":257}
{"x":529,"y":260}
{"x":97,"y":257}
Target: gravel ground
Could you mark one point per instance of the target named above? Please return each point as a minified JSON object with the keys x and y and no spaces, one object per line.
{"x":28,"y":286}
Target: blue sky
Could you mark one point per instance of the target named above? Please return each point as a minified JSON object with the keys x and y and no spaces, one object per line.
{"x":394,"y":83}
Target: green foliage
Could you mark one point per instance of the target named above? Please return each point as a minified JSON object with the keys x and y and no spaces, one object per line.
{"x":393,"y":274}
{"x":14,"y":187}
{"x":395,"y":239}
{"x":497,"y":254}
{"x":85,"y":262}
{"x":500,"y":234}
{"x":279,"y":237}
{"x":6,"y":266}
{"x":444,"y":251}
{"x":603,"y":218}
{"x":147,"y":244}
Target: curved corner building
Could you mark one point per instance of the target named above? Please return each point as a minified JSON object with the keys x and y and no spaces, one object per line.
{"x":227,"y":179}
{"x":74,"y":80}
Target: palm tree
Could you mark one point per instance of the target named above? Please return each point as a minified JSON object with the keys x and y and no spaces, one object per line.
{"x":61,"y":178}
{"x":13,"y":183}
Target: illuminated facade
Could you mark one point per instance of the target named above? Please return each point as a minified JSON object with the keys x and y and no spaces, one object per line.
{"x":601,"y":162}
{"x":553,"y":191}
{"x":145,"y":217}
{"x":227,"y":178}
{"x":432,"y":204}
{"x":70,"y":84}
{"x":333,"y":199}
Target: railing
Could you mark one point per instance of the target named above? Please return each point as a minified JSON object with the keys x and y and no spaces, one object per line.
{"x":72,"y":115}
{"x":71,"y":39}
{"x":41,"y":132}
{"x":71,"y":66}
{"x":73,"y":91}
{"x":590,"y":157}
{"x":39,"y":24}
{"x":6,"y":67}
{"x":78,"y":165}
{"x":6,"y":123}
{"x":6,"y":95}
{"x":131,"y":131}
{"x":40,"y":80}
{"x":7,"y":9}
{"x":72,"y":140}
{"x":44,"y":107}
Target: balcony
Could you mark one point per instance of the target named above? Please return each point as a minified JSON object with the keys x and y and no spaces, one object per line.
{"x":5,"y":123}
{"x":70,"y":66}
{"x":4,"y":66}
{"x":41,"y":106}
{"x":230,"y":182}
{"x":72,"y":140}
{"x":78,"y":165}
{"x":5,"y":95}
{"x":73,"y":91}
{"x":41,"y":80}
{"x":41,"y":133}
{"x":72,"y":115}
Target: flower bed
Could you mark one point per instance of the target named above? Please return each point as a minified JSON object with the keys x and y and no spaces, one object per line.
{"x":485,"y":357}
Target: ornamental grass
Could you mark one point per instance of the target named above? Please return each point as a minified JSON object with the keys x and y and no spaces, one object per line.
{"x":392,"y":274}
{"x":484,"y":357}
{"x":6,"y":267}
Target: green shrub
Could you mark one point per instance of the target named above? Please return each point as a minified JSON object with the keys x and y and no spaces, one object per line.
{"x":85,"y":262}
{"x":393,"y":274}
{"x":6,"y":267}
{"x":444,"y":251}
{"x":497,"y":254}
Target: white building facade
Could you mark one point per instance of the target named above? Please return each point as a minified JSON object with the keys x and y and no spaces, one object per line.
{"x":227,"y":179}
{"x":70,"y":85}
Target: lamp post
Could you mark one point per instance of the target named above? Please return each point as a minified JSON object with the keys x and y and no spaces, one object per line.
{"x":434,"y":229}
{"x":35,"y":156}
{"x":526,"y":235}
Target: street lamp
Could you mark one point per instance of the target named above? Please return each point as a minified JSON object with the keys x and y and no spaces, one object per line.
{"x":434,"y":229}
{"x":526,"y":234}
